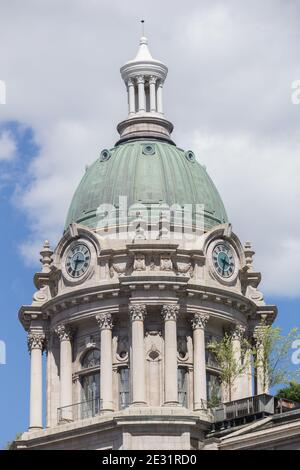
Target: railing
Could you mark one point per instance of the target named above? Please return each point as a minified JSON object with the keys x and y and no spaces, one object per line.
{"x":82,"y":410}
{"x":246,"y":407}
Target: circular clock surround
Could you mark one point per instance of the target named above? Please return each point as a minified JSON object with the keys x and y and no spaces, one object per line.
{"x":223,"y":261}
{"x":77,"y":261}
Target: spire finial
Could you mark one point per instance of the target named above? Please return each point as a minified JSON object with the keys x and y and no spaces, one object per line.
{"x":143,"y":27}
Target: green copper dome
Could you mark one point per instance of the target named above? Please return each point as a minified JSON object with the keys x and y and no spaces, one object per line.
{"x":149,"y":172}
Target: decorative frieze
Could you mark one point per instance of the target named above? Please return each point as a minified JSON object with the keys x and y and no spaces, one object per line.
{"x":170,"y":312}
{"x":139,"y":262}
{"x":166,"y":262}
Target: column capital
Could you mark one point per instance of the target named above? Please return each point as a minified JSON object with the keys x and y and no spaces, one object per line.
{"x":64,"y":332}
{"x":36,"y":340}
{"x":130,"y":81}
{"x":152,"y":80}
{"x":238,"y":332}
{"x":259,"y":334}
{"x":137,"y":312}
{"x":199,"y":320}
{"x":170,"y":312}
{"x":105,"y":321}
{"x":140,"y":79}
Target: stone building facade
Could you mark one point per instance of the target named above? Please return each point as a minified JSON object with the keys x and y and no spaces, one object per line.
{"x":147,"y":273}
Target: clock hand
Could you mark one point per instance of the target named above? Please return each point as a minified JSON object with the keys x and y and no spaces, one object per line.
{"x":224,"y":264}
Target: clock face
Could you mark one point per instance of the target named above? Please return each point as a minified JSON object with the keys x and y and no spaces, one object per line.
{"x":223,"y":260}
{"x":78,"y":260}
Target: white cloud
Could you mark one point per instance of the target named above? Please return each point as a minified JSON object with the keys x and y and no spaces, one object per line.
{"x":231,"y":67}
{"x":7,"y":146}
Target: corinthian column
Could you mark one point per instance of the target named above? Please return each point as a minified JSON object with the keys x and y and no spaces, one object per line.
{"x":36,"y":342}
{"x":65,"y":335}
{"x":169,"y":313}
{"x":199,"y":322}
{"x":137,"y":314}
{"x":106,"y":391}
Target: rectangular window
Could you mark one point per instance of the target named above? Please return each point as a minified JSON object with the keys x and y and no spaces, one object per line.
{"x":182,"y":386}
{"x":123,"y":387}
{"x":210,"y":358}
{"x":90,"y":395}
{"x":213,"y":389}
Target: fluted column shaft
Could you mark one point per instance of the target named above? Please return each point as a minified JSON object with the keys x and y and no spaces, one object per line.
{"x":137,"y":315}
{"x":131,"y":96}
{"x":65,"y":335}
{"x":169,"y":313}
{"x":247,"y":390}
{"x":199,"y":322}
{"x":106,"y":389}
{"x":141,"y":93}
{"x":152,"y":82}
{"x":237,"y":386}
{"x":262,"y":385}
{"x":36,"y":341}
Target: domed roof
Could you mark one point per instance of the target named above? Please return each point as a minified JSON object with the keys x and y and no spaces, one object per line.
{"x":149,"y":172}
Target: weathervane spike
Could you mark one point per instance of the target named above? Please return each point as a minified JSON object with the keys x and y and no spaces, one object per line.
{"x":143,"y":30}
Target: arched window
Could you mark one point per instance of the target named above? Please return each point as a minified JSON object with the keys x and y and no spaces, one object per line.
{"x":90,"y":384}
{"x":91,"y":359}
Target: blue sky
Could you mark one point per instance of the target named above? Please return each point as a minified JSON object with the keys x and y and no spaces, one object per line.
{"x":228,"y":93}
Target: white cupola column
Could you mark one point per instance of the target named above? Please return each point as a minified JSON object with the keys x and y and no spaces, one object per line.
{"x":169,"y":313}
{"x":152,"y":85}
{"x":137,"y":315}
{"x":160,"y":97}
{"x":36,"y":342}
{"x":237,"y":336}
{"x":106,"y":371}
{"x":65,"y":335}
{"x":131,"y":96}
{"x":199,"y":322}
{"x":141,"y":93}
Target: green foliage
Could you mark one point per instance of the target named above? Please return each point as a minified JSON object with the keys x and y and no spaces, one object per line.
{"x":230,"y":367}
{"x":10,"y":443}
{"x":275,"y":357}
{"x":292,"y":392}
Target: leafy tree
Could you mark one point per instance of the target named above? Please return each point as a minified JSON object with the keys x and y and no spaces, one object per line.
{"x":273,"y":358}
{"x":292,"y":392}
{"x":230,"y":367}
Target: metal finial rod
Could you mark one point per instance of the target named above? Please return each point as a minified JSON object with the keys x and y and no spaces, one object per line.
{"x":143,"y":29}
